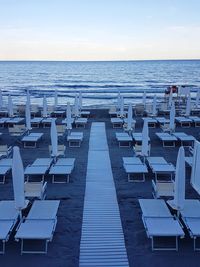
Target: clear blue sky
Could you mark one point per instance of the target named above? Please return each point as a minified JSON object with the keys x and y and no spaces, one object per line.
{"x":99,"y":29}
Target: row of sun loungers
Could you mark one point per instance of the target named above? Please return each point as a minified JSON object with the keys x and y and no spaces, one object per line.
{"x":39,"y":224}
{"x":169,"y":140}
{"x":41,"y":166}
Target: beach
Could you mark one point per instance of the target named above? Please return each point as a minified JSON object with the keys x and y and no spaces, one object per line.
{"x":64,"y":248}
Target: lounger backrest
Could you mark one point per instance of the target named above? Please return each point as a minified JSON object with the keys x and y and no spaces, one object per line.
{"x":3,"y":148}
{"x":44,"y":209}
{"x":191,"y":209}
{"x":154,"y":208}
{"x":8,"y":210}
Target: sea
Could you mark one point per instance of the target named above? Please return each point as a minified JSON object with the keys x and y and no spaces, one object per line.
{"x":99,"y":81}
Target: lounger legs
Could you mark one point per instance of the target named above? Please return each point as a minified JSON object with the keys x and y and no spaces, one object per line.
{"x":136,"y":180}
{"x":3,"y":247}
{"x":164,"y":248}
{"x":23,"y":251}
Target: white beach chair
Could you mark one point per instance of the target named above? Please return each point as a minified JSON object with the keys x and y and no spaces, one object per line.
{"x":39,"y":167}
{"x":63,"y":167}
{"x":39,"y":225}
{"x":5,"y":151}
{"x":31,"y":140}
{"x":167,"y":139}
{"x":8,"y":219}
{"x":134,"y":166}
{"x":159,"y":222}
{"x":185,"y":139}
{"x":75,"y":139}
{"x":190,"y":215}
{"x":35,"y":190}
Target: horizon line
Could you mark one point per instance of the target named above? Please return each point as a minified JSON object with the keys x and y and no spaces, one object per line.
{"x":111,"y":60}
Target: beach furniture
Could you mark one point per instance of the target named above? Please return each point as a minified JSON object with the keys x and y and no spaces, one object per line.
{"x":80,"y":122}
{"x":38,"y":168}
{"x":85,"y":113}
{"x":195,"y":120}
{"x":190,"y":215}
{"x":60,"y":151}
{"x":58,"y":113}
{"x":13,"y":121}
{"x":17,"y":130}
{"x":139,"y":110}
{"x":124,"y":139}
{"x":162,"y":189}
{"x":183,"y":121}
{"x":116,"y":122}
{"x":113,"y":111}
{"x":8,"y":219}
{"x":133,"y":167}
{"x":35,"y":122}
{"x":3,"y":122}
{"x":137,"y":137}
{"x":162,"y":121}
{"x":5,"y":167}
{"x":126,"y":126}
{"x":46,"y":122}
{"x":151,"y":122}
{"x":167,"y":139}
{"x":75,"y":139}
{"x":5,"y":151}
{"x":34,"y":190}
{"x":39,"y":225}
{"x":31,"y":140}
{"x":61,"y":128}
{"x":185,"y":139}
{"x":159,"y":223}
{"x":159,"y":165}
{"x":63,"y":167}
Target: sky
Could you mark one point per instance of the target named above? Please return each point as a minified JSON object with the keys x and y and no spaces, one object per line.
{"x":99,"y":29}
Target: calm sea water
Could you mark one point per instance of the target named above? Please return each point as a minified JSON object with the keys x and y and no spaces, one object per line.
{"x":98,"y":81}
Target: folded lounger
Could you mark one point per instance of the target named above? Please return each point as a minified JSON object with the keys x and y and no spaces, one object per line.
{"x":167,"y":139}
{"x":190,"y":215}
{"x":39,"y":225}
{"x":8,"y":219}
{"x":39,"y":167}
{"x":159,"y":222}
{"x":134,"y":165}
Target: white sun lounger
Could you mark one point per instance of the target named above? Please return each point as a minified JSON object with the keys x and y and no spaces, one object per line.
{"x":30,"y":141}
{"x":35,"y":122}
{"x":189,"y":161}
{"x":196,"y":120}
{"x":39,"y":225}
{"x":60,"y":170}
{"x":15,"y":120}
{"x":39,"y":167}
{"x":137,"y":138}
{"x":81,"y":122}
{"x":151,"y":122}
{"x":8,"y":219}
{"x":185,"y":139}
{"x":159,"y":165}
{"x":162,"y":120}
{"x":134,"y":166}
{"x":75,"y":139}
{"x":167,"y":139}
{"x":116,"y":122}
{"x":159,"y":222}
{"x":5,"y":167}
{"x":191,"y":218}
{"x":184,"y":122}
{"x":46,"y":122}
{"x":124,"y":139}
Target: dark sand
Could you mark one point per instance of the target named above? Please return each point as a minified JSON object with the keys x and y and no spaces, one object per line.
{"x":63,"y":251}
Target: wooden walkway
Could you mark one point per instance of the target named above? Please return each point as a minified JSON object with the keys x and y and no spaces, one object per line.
{"x":102,"y":240}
